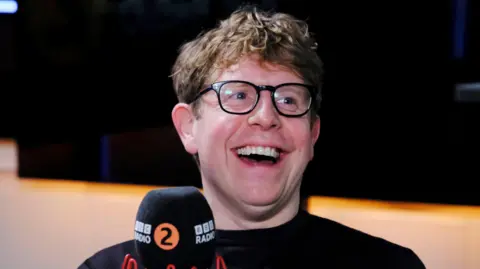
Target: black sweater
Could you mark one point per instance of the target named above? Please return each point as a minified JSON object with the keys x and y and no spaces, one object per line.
{"x":307,"y":241}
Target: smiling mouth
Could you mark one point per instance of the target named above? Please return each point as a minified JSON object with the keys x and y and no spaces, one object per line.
{"x":259,"y":154}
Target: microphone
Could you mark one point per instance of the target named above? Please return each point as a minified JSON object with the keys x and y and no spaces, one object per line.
{"x":175,"y":229}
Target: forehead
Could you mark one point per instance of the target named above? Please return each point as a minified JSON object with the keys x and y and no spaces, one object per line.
{"x":262,"y":73}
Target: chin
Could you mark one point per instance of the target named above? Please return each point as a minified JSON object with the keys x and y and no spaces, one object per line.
{"x":260,"y":198}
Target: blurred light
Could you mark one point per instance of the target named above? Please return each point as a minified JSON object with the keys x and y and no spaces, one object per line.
{"x":8,"y":6}
{"x":467,"y":92}
{"x":104,"y":158}
{"x":459,"y":28}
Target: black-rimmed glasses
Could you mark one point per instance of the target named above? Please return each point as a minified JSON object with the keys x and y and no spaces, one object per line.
{"x":241,"y":97}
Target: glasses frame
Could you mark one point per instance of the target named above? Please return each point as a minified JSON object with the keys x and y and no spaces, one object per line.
{"x":259,"y":88}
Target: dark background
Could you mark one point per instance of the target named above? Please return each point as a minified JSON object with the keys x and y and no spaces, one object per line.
{"x":87,"y":96}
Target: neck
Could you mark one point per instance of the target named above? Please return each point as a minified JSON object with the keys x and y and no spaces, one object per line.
{"x":230,"y":215}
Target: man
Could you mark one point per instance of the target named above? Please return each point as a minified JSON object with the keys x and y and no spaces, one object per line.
{"x":248,"y":91}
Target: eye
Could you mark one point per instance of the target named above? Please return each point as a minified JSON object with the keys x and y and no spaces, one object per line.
{"x":237,"y":92}
{"x":286,"y":101}
{"x":237,"y":95}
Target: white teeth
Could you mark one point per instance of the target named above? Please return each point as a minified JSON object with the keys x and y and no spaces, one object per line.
{"x":266,"y":151}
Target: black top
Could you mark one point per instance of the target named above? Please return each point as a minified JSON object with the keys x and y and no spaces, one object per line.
{"x":307,"y":241}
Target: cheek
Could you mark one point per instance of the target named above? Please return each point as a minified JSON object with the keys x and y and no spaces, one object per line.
{"x":214,"y":132}
{"x":302,"y":136}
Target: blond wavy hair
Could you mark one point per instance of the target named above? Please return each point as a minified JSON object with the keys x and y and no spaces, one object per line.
{"x":277,"y":38}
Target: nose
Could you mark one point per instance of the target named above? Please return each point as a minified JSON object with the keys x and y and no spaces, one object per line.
{"x":264,"y":115}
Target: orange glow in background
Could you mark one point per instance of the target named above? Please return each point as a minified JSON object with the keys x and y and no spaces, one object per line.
{"x":59,"y":223}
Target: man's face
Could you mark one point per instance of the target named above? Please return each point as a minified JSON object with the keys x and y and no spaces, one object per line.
{"x":220,"y":139}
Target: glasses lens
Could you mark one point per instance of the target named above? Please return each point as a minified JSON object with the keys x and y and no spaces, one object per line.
{"x":237,"y":97}
{"x":293,"y":99}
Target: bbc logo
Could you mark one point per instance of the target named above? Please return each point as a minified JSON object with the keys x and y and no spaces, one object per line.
{"x":143,"y":227}
{"x":204,"y":228}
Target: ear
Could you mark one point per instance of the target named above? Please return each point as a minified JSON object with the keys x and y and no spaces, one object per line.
{"x":183,"y":120}
{"x":315,"y":133}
